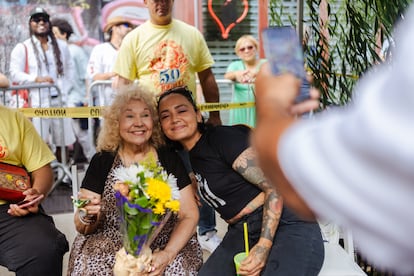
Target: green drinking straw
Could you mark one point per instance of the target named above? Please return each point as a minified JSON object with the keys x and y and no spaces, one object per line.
{"x":246,"y":238}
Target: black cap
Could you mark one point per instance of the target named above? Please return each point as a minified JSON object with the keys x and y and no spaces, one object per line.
{"x":39,"y":11}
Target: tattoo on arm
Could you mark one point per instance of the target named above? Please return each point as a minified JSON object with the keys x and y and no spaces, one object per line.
{"x":246,"y":165}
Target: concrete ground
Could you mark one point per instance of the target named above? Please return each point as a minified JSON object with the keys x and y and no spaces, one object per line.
{"x":337,"y":261}
{"x":64,"y":222}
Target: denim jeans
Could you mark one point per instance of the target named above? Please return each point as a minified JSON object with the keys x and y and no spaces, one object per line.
{"x":207,"y":220}
{"x":297,"y":248}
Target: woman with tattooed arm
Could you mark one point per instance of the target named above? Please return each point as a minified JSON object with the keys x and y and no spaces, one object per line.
{"x":231,"y":182}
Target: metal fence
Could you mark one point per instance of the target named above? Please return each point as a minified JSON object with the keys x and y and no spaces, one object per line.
{"x":39,"y":96}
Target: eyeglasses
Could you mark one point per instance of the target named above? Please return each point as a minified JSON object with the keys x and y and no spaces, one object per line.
{"x":37,"y":19}
{"x":248,"y":48}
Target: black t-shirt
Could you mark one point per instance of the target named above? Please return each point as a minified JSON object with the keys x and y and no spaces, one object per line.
{"x":212,"y":158}
{"x":101,"y":164}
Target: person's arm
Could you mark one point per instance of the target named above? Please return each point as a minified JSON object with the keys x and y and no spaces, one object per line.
{"x":241,"y":76}
{"x":42,"y":181}
{"x":187,"y":222}
{"x":246,"y":165}
{"x":4,"y":81}
{"x":119,"y":82}
{"x":103,"y":76}
{"x":211,"y":93}
{"x":276,"y":111}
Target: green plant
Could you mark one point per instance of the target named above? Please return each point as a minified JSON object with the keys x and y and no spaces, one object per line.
{"x":343,"y":48}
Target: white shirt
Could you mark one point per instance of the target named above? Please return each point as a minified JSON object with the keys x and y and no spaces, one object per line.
{"x":47,"y":66}
{"x":102,"y":60}
{"x":355,"y":165}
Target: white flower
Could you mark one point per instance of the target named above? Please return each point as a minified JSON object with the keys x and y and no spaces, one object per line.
{"x":128,"y":174}
{"x":172,"y":182}
{"x":131,"y":175}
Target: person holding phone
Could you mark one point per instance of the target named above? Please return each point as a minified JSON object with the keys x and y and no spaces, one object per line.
{"x":229,"y":180}
{"x":30,"y":242}
{"x":351,"y":165}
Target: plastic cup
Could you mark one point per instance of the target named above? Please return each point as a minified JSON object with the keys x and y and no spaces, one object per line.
{"x":238,"y":258}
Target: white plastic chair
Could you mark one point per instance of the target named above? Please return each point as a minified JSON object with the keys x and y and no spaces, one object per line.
{"x":339,"y":261}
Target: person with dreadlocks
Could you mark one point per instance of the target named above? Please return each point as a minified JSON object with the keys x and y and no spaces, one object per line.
{"x":43,"y":59}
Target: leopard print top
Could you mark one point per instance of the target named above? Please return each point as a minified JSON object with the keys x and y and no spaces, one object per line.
{"x":94,"y":254}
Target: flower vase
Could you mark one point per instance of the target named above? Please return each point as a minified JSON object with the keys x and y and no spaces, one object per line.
{"x":130,"y":265}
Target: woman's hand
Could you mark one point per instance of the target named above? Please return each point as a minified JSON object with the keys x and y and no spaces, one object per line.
{"x":255,"y":261}
{"x":93,"y":207}
{"x":160,"y":260}
{"x":87,"y":217}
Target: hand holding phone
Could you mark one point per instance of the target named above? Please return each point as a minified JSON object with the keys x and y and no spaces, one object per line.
{"x":28,"y":203}
{"x":284,"y":52}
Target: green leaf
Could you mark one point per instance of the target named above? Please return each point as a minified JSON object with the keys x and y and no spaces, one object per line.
{"x":142,"y":201}
{"x":129,"y":210}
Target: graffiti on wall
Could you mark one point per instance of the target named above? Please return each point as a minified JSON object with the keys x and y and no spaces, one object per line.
{"x":87,"y":18}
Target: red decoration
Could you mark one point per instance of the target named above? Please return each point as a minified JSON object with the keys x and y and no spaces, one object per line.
{"x":226,"y":30}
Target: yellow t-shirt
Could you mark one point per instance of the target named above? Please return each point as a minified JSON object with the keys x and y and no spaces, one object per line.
{"x":163,"y":57}
{"x":20,"y":144}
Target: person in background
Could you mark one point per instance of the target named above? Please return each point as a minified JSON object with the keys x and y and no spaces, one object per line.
{"x":350,"y":165}
{"x":77,"y":95}
{"x":49,"y":62}
{"x":4,"y":81}
{"x":243,"y":73}
{"x":103,"y":56}
{"x":164,"y":53}
{"x":230,"y":181}
{"x":130,"y":134}
{"x":30,"y":242}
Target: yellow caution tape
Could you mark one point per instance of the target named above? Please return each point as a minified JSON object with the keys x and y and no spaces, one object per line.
{"x":224,"y":106}
{"x":63,"y":112}
{"x":95,"y":112}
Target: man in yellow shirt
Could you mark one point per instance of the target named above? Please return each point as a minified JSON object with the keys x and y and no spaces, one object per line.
{"x":164,"y":53}
{"x":30,"y":242}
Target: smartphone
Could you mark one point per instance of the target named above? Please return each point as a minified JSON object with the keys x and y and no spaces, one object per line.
{"x":284,"y":53}
{"x":28,"y":203}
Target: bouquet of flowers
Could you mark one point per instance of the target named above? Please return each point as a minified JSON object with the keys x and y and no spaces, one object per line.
{"x":146,"y":195}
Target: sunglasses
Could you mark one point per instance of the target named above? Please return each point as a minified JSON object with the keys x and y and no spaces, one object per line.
{"x":37,"y":19}
{"x":125,"y":24}
{"x":248,"y":48}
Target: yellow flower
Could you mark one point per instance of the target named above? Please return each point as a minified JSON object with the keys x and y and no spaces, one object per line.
{"x":173,"y":205}
{"x":158,"y":209}
{"x":159,"y":191}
